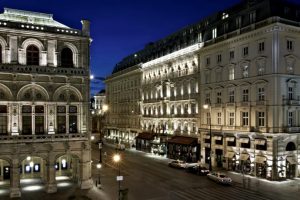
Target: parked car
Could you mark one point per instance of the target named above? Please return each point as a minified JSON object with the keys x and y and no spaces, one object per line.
{"x":120,"y":147}
{"x":219,"y":178}
{"x":198,"y":169}
{"x":177,"y":164}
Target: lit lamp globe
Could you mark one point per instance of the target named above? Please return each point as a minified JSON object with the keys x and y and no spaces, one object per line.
{"x":117,"y":158}
{"x":99,"y":166}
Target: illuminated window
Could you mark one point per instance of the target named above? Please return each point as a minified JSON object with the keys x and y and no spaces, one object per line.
{"x":214,"y":33}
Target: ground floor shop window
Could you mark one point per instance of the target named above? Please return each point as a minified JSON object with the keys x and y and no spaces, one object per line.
{"x":261,"y":170}
{"x":290,"y":170}
{"x":219,"y":157}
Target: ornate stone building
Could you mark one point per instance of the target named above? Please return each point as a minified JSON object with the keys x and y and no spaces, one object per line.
{"x":242,"y":64}
{"x":44,"y":103}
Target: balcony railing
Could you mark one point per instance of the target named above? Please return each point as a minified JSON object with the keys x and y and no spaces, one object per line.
{"x":43,"y":70}
{"x":42,"y":138}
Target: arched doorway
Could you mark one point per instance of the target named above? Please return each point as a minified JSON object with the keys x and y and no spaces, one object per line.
{"x":67,"y":168}
{"x":291,"y":161}
{"x":33,"y":173}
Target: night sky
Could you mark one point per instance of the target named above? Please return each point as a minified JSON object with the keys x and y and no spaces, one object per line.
{"x":121,"y":27}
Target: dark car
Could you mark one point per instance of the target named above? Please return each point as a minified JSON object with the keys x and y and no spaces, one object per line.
{"x":197,"y":169}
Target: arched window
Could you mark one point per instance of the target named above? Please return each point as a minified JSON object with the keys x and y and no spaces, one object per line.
{"x":32,"y":55}
{"x":66,"y":58}
{"x":290,"y":147}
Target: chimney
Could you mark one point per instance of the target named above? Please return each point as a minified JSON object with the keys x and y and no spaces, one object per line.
{"x":85,"y":27}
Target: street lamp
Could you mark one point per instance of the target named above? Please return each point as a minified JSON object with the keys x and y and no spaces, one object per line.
{"x":117,"y":159}
{"x":208,"y":106}
{"x":99,"y":167}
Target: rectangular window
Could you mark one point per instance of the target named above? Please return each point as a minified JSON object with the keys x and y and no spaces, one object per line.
{"x":214,"y":33}
{"x":231,"y":73}
{"x":219,"y":97}
{"x":291,"y":93}
{"x":261,"y":46}
{"x":245,"y":51}
{"x":61,"y":124}
{"x":245,"y":118}
{"x":207,"y":98}
{"x":238,"y":22}
{"x":252,"y":17}
{"x":261,"y":118}
{"x":26,"y":122}
{"x":231,"y":96}
{"x":219,"y":58}
{"x":231,"y":55}
{"x":219,"y":118}
{"x":289,"y":45}
{"x":39,"y":125}
{"x":290,"y":119}
{"x":208,"y":61}
{"x":73,"y":124}
{"x":245,"y":95}
{"x":261,"y":94}
{"x":231,"y":119}
{"x":193,"y":108}
{"x":208,"y":118}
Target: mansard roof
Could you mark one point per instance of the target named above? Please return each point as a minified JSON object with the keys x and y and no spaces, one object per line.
{"x":202,"y":31}
{"x":34,"y":18}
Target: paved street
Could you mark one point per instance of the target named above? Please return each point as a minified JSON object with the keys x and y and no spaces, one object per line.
{"x":149,"y":178}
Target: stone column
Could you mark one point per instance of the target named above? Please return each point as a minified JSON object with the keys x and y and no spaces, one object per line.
{"x":51,"y":55}
{"x":51,"y":186}
{"x":86,"y":181}
{"x":13,"y":44}
{"x":15,"y":179}
{"x":51,"y":119}
{"x":15,"y":119}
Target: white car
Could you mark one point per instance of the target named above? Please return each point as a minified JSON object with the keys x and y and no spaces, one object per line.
{"x":219,"y":178}
{"x":191,"y":165}
{"x":177,"y":164}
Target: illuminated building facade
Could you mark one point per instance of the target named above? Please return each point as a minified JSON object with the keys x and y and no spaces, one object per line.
{"x":242,"y":63}
{"x":44,"y":100}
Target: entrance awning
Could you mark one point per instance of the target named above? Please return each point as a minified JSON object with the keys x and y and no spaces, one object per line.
{"x":244,"y":156}
{"x":260,"y":141}
{"x":244,"y":140}
{"x":229,"y":154}
{"x":291,"y":160}
{"x":183,"y":140}
{"x":260,"y":159}
{"x":230,"y":139}
{"x":145,"y":136}
{"x":218,"y":137}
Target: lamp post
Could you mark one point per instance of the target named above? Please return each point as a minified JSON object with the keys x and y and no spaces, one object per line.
{"x":99,"y":167}
{"x":117,"y":159}
{"x":208,"y":106}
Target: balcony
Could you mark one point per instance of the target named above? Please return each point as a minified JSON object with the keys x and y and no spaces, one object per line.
{"x":292,"y":129}
{"x":230,"y":104}
{"x":43,"y":70}
{"x":291,"y":102}
{"x":245,"y":104}
{"x":261,"y":103}
{"x":42,"y":138}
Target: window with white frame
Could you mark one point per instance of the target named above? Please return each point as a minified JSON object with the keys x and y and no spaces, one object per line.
{"x":172,"y":110}
{"x":289,"y":45}
{"x":291,"y":120}
{"x":261,"y":118}
{"x":231,"y":119}
{"x":291,"y":93}
{"x":219,"y":118}
{"x":231,"y":55}
{"x":208,"y":117}
{"x":245,"y":95}
{"x":214,"y":33}
{"x":261,"y":94}
{"x":245,"y":119}
{"x":219,"y":97}
{"x":231,"y":96}
{"x":238,"y":22}
{"x":207,"y":76}
{"x":219,"y":58}
{"x":245,"y":71}
{"x":193,"y":108}
{"x":245,"y":51}
{"x":231,"y":73}
{"x":261,"y":47}
{"x":207,"y":98}
{"x":207,"y":61}
{"x":186,"y":109}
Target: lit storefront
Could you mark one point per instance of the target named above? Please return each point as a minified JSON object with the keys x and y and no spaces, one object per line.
{"x":183,"y":148}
